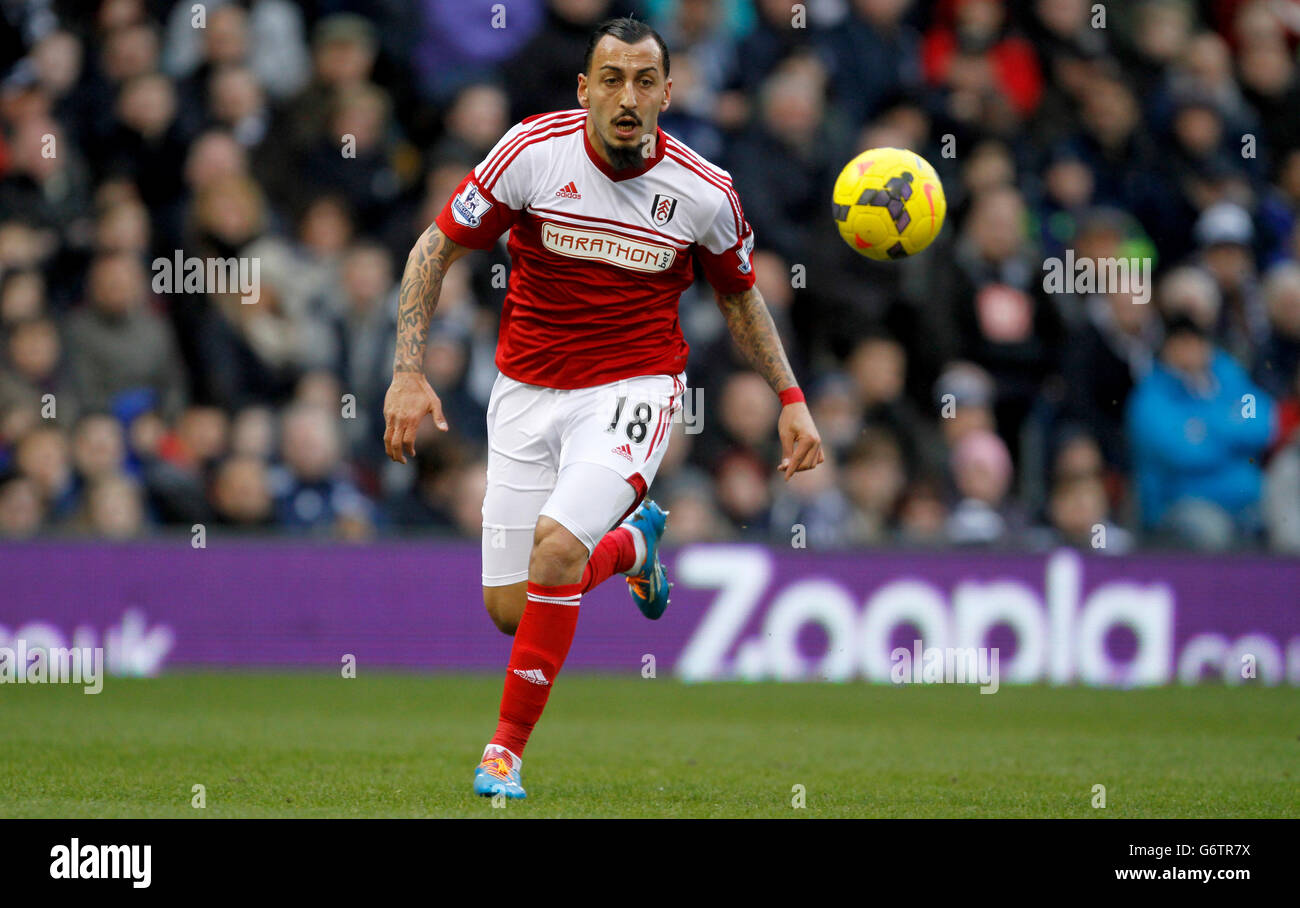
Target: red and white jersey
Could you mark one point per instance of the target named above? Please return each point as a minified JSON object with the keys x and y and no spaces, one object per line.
{"x":599,"y":258}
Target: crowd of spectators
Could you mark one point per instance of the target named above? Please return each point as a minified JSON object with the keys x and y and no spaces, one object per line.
{"x":961,"y":403}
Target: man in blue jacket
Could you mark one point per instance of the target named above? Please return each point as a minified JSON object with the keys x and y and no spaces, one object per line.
{"x":1198,"y":427}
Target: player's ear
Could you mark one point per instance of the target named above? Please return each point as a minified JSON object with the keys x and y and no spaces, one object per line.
{"x":582,"y":91}
{"x":668,"y":91}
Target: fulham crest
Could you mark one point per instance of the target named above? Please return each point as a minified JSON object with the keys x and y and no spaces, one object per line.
{"x":662,"y":209}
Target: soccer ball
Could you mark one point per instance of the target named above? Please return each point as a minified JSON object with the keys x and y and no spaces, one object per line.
{"x":888,"y":203}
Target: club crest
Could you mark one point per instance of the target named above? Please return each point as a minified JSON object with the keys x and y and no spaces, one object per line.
{"x":662,"y":209}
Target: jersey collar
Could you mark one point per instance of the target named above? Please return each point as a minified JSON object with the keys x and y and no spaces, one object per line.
{"x":620,"y":175}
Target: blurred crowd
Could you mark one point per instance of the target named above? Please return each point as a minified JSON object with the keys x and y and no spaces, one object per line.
{"x":961,"y":403}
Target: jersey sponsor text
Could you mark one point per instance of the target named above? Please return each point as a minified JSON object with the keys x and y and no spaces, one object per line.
{"x":602,"y":246}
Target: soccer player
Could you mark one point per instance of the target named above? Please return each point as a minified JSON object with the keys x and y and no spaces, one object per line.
{"x":606,"y":213}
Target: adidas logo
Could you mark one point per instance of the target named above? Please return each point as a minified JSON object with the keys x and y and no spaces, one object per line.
{"x":623,"y":451}
{"x":569,"y":191}
{"x":533,"y":676}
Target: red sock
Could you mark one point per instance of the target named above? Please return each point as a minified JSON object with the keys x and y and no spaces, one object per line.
{"x":615,"y":553}
{"x":541,"y":644}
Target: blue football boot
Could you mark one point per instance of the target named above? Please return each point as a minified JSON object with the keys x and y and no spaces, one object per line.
{"x":498,"y":773}
{"x":649,"y":586}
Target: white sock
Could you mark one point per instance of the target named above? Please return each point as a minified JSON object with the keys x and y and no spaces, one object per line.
{"x":638,"y":541}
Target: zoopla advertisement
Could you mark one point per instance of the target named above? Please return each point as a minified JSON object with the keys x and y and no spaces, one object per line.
{"x":739,"y":612}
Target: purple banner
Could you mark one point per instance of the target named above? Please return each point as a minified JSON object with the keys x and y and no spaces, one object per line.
{"x":737,"y":612}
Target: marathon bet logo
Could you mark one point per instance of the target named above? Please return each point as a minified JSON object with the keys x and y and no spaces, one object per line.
{"x":102,"y":862}
{"x":603,"y":246}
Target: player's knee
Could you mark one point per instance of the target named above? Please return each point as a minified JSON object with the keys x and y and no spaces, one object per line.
{"x":505,"y":605}
{"x":558,"y":557}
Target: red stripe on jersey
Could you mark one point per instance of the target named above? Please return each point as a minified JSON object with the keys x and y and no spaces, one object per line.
{"x":712,"y":181}
{"x":537,"y":123}
{"x":555,"y":132}
{"x":715,"y":182}
{"x":724,"y":177}
{"x":721,"y":180}
{"x":720,"y":174}
{"x":713,"y":169}
{"x":695,"y":156}
{"x":533,"y":118}
{"x":510,"y":152}
{"x":543,"y":121}
{"x":496,"y":163}
{"x":684,"y":244}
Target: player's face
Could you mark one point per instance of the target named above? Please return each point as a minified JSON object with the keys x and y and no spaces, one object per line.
{"x":625,"y":92}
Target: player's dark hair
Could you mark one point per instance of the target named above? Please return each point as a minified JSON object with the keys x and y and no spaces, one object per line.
{"x":627,"y":30}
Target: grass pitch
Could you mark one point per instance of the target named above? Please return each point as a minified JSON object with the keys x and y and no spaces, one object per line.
{"x":395,"y":745}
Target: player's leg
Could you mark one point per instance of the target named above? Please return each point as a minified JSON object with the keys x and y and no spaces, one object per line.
{"x":505,"y":605}
{"x":614,"y":438}
{"x":516,"y":491}
{"x":644,"y":410}
{"x":599,"y":485}
{"x":574,"y":519}
{"x":630,"y":444}
{"x":558,"y":556}
{"x":523,"y":454}
{"x":620,"y":551}
{"x":521,"y":475}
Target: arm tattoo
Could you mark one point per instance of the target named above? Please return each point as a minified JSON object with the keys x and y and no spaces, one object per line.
{"x":418,"y":297}
{"x":755,"y":334}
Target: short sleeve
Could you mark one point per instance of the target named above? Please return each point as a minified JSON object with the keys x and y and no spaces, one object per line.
{"x":723,"y":249}
{"x":488,"y":201}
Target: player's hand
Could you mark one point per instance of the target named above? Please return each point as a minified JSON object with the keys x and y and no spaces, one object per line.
{"x":409,"y":397}
{"x":801,"y":446}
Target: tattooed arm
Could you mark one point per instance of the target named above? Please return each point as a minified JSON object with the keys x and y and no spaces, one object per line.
{"x":410,"y":396}
{"x":421,"y":282}
{"x":754,"y":332}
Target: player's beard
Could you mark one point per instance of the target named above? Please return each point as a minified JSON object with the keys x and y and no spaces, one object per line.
{"x":622,"y":157}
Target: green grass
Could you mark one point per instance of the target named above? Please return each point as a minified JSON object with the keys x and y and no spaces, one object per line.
{"x":278,"y":745}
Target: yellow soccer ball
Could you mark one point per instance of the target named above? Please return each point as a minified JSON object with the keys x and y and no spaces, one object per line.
{"x":889,"y":203}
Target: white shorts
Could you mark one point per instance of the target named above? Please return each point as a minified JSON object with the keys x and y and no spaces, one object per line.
{"x":583,"y":457}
